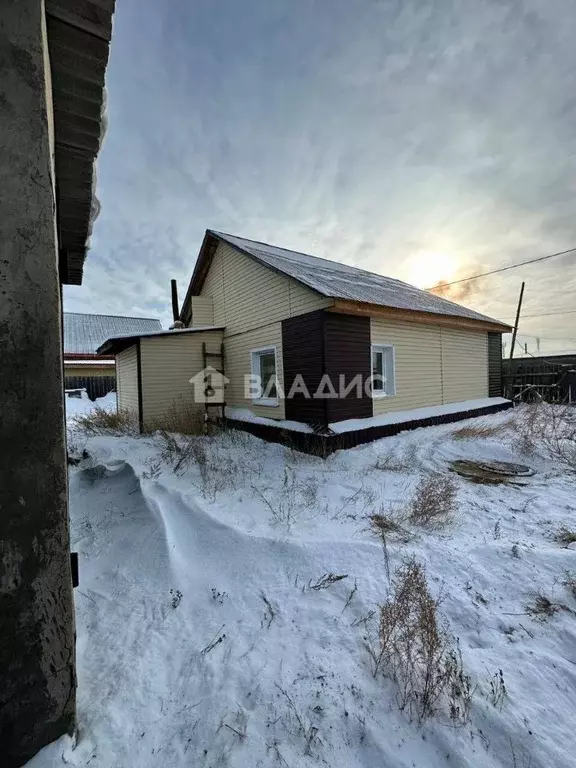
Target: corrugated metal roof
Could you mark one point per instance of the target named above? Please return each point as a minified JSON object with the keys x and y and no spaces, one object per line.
{"x":340,"y":281}
{"x":83,"y":334}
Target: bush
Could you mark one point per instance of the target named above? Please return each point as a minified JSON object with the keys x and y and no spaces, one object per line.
{"x":101,"y":421}
{"x":434,"y":500}
{"x":415,"y":649}
{"x":550,"y":429}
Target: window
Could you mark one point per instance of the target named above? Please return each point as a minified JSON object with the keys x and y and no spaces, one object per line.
{"x":383,"y":379}
{"x":264,"y":369}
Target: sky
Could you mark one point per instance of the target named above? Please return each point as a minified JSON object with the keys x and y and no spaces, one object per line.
{"x":427,"y":140}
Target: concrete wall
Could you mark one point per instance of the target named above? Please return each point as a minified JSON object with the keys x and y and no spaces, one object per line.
{"x":37,"y":690}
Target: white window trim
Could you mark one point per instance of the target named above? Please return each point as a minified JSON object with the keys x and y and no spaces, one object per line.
{"x":269,"y":402}
{"x":382,"y":348}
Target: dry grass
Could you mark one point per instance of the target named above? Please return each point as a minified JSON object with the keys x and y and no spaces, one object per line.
{"x":569,"y":581}
{"x":548,"y":429}
{"x":101,"y":421}
{"x":181,"y":419}
{"x":479,"y":430}
{"x":565,"y":536}
{"x":401,"y":461}
{"x":542,"y":607}
{"x":434,"y":501}
{"x":415,"y":649}
{"x":389,"y":523}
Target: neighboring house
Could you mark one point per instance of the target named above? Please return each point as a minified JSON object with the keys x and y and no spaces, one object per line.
{"x":83,"y":334}
{"x":53,"y":57}
{"x":296,"y":319}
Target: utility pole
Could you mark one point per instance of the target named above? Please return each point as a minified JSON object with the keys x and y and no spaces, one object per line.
{"x":515,"y":331}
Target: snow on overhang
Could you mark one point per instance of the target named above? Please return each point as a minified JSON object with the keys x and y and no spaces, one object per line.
{"x":78,"y":46}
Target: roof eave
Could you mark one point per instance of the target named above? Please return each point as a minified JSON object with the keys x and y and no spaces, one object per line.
{"x":348,"y":306}
{"x":78,"y":39}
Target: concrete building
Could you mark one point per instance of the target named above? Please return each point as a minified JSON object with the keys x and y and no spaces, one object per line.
{"x":53,"y":58}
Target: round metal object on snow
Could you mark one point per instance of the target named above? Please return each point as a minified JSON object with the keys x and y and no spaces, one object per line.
{"x":491,"y":471}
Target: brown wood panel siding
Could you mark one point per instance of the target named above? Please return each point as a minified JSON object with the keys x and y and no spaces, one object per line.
{"x":303,"y":353}
{"x":494,"y":365}
{"x":347,"y":354}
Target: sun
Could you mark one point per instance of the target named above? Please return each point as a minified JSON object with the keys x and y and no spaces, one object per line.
{"x":427,"y":268}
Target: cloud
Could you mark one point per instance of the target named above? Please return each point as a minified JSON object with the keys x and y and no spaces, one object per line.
{"x":352,"y":134}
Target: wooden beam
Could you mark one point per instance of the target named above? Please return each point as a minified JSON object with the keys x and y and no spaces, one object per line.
{"x":92,"y":16}
{"x":349,"y":307}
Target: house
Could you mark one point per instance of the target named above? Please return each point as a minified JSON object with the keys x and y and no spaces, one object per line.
{"x":333,"y":347}
{"x":83,"y":334}
{"x":53,"y":58}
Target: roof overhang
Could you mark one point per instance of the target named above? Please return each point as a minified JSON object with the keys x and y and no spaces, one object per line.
{"x":117,"y":344}
{"x":78,"y":45}
{"x":207,"y":250}
{"x":348,"y":307}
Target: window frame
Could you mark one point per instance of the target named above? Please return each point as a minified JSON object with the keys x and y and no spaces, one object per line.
{"x":255,"y":354}
{"x":384,"y":349}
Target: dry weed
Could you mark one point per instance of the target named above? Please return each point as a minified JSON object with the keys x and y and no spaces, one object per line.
{"x":180,"y":419}
{"x":434,"y":500}
{"x":101,"y":421}
{"x":565,"y":536}
{"x":415,"y":649}
{"x":550,"y":429}
{"x":542,"y":607}
{"x":479,"y":430}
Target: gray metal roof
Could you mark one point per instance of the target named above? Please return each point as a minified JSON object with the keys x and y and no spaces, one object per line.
{"x":340,"y":281}
{"x":83,"y":334}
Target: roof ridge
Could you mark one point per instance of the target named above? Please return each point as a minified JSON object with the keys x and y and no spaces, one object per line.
{"x":123,"y":317}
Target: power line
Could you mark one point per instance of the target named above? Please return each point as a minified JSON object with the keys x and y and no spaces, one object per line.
{"x":503,"y":269}
{"x":549,"y":314}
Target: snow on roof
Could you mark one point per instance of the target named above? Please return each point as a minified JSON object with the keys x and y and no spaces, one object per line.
{"x":341,"y":281}
{"x":92,"y":361}
{"x":83,"y":334}
{"x":116,"y":344}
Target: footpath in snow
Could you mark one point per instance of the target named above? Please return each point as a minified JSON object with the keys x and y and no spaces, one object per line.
{"x":206,"y":636}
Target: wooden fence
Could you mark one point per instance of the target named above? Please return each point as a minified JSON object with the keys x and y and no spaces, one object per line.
{"x":95,"y":386}
{"x":551,"y":378}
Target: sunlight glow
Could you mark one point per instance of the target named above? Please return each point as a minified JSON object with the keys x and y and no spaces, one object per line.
{"x":427,"y":268}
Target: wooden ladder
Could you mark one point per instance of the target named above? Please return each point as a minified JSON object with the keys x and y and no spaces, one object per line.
{"x":208,"y":389}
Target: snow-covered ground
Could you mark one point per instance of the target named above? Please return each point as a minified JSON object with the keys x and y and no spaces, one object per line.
{"x":77,"y":406}
{"x":201,"y":643}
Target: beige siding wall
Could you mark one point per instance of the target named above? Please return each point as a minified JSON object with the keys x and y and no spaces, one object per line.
{"x":418,"y":364}
{"x":464,"y":365}
{"x":434,"y":365}
{"x":89,"y":370}
{"x":168,"y":364}
{"x":127,"y":379}
{"x":238,"y":363}
{"x":251,"y":301}
{"x":202,"y":311}
{"x":248,"y":296}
